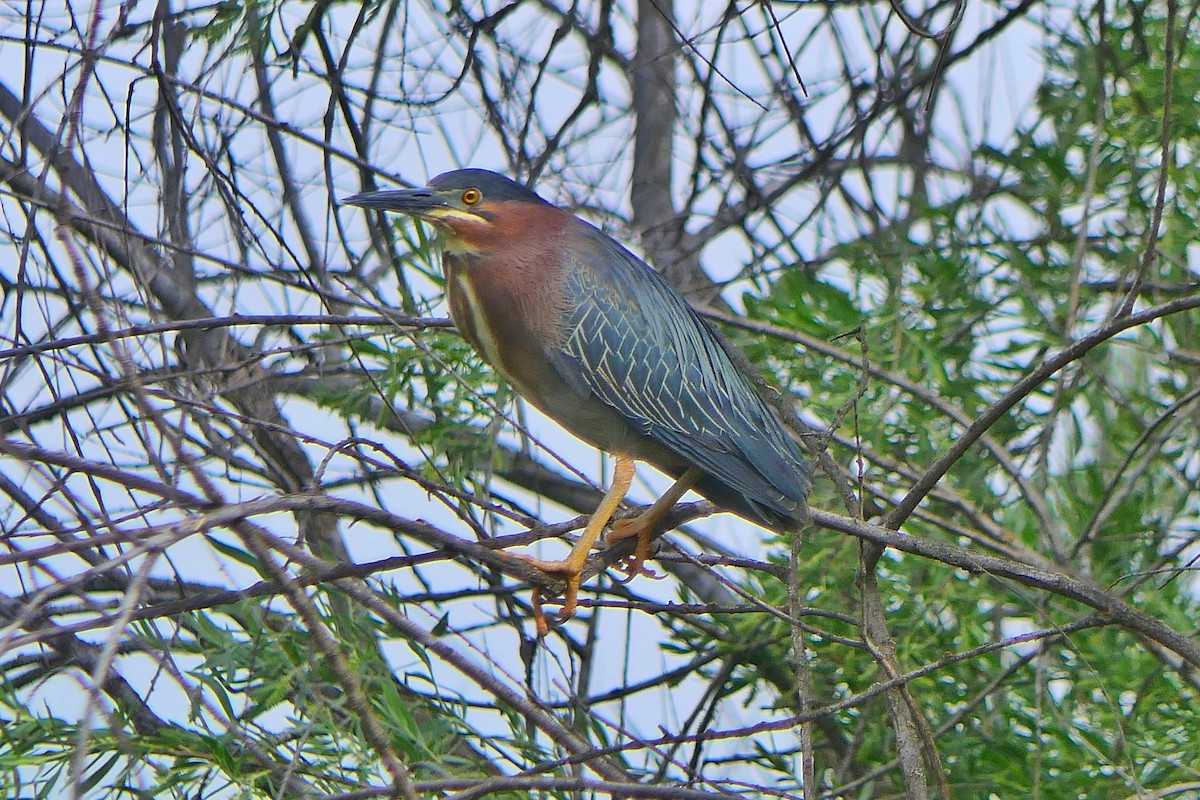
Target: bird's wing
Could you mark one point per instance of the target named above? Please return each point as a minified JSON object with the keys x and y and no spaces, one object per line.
{"x":639,"y":347}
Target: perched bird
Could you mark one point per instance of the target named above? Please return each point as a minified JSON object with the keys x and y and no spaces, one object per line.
{"x":595,"y":338}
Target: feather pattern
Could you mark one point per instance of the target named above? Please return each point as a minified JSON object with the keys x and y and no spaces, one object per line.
{"x":631,"y":341}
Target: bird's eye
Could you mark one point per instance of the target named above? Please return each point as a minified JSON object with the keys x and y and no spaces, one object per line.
{"x":472,"y":196}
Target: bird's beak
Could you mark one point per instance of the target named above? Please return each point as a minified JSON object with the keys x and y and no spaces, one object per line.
{"x":421,"y":203}
{"x":418,"y":202}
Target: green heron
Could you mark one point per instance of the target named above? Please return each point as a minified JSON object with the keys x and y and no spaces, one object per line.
{"x":595,"y":338}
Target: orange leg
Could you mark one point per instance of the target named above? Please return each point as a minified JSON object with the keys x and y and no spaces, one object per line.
{"x":645,"y":525}
{"x":571,"y":568}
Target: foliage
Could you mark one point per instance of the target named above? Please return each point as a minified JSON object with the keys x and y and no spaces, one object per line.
{"x":275,"y":555}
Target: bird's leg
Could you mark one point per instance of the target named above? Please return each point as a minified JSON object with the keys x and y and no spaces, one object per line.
{"x":571,"y":568}
{"x":645,"y":525}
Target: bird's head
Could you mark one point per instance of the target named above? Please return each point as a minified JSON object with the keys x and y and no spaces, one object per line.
{"x":471,"y":207}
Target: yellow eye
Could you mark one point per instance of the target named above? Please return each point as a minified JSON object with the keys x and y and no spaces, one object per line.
{"x":472,"y":196}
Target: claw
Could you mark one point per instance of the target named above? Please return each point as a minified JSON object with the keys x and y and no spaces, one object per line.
{"x":539,"y":616}
{"x":643,"y":528}
{"x":631,"y":569}
{"x":571,"y":573}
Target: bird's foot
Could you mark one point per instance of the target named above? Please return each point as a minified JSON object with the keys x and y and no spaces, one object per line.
{"x":635,"y":564}
{"x":572,"y":567}
{"x":632,"y":568}
{"x":571,"y":573}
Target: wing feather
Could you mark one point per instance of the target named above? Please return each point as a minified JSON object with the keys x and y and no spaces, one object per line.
{"x":637,"y":345}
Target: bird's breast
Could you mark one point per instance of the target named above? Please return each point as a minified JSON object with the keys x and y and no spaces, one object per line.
{"x":471,"y":317}
{"x":505,"y":317}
